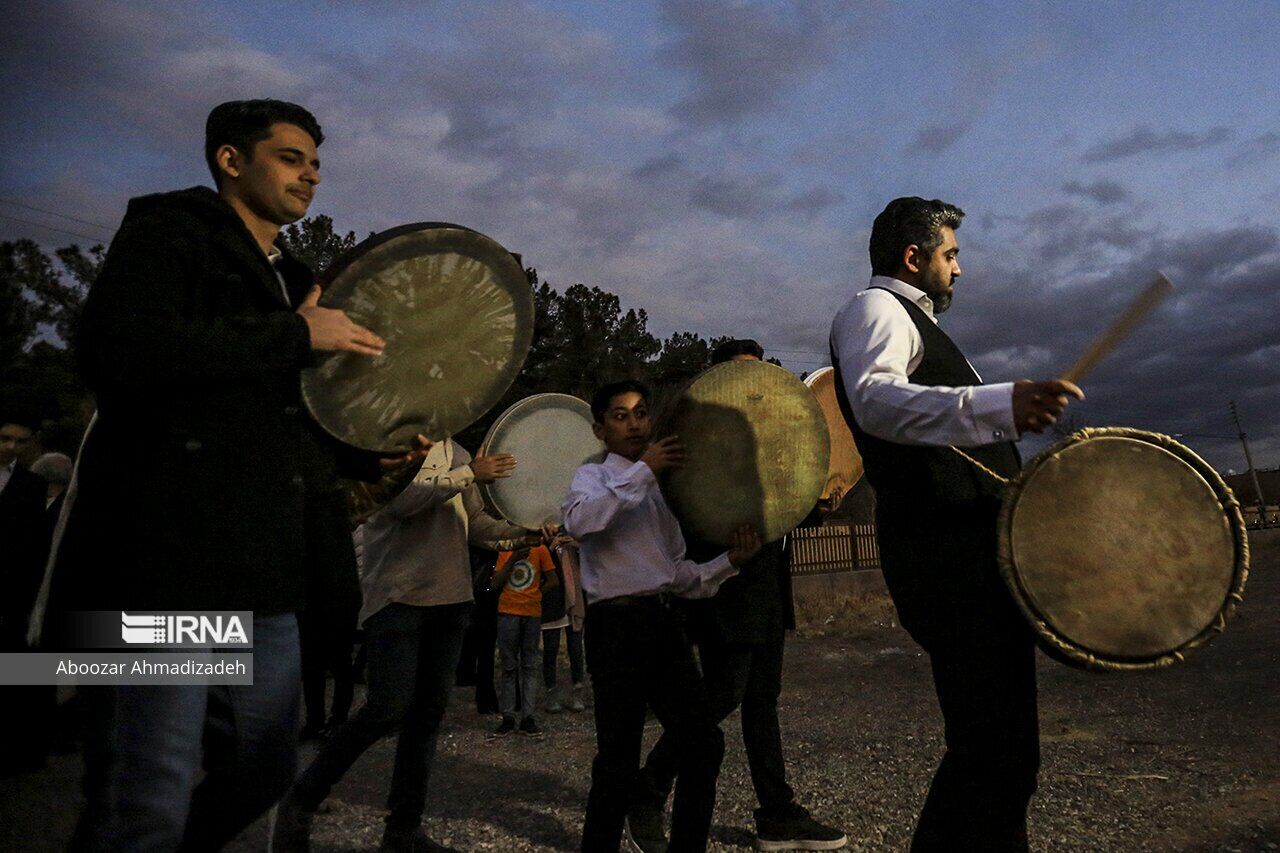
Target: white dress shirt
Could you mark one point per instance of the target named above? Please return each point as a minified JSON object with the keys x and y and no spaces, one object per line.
{"x":6,"y":472}
{"x":878,"y":345}
{"x":630,"y":543}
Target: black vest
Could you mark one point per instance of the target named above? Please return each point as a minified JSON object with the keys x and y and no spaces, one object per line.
{"x":911,"y":476}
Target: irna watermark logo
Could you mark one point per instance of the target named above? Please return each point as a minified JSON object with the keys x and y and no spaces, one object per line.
{"x":155,"y":629}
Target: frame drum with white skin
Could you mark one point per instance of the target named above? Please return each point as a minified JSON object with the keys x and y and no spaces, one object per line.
{"x":456,"y":311}
{"x":756,"y":451}
{"x":1123,"y":548}
{"x":550,"y":436}
{"x":845,"y":468}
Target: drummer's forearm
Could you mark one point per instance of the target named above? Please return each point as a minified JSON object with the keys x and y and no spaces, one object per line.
{"x":702,"y":580}
{"x":894,"y":409}
{"x":422,"y":495}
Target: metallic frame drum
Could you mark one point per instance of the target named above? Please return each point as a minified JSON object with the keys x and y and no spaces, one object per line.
{"x":545,"y":460}
{"x":457,"y":313}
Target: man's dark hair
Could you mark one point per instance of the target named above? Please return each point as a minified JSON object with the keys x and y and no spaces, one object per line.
{"x":736,"y":346}
{"x":243,"y":124}
{"x":907,"y":221}
{"x":604,"y":395}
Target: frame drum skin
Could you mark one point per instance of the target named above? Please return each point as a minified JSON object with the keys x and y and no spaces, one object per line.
{"x":1123,"y":548}
{"x":456,"y":312}
{"x":845,"y":469}
{"x":756,"y":451}
{"x":550,"y":436}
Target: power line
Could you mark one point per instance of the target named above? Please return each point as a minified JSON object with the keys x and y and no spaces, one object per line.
{"x":51,"y":228}
{"x":57,"y":214}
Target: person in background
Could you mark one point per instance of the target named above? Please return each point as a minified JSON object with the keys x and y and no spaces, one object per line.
{"x":521,"y":576}
{"x":563,"y":610}
{"x":26,"y":727}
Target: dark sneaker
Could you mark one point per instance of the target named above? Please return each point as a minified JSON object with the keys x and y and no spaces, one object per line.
{"x":643,"y":829}
{"x":506,"y":727}
{"x":530,"y":728}
{"x":394,"y":841}
{"x":798,"y":832}
{"x":291,"y":829}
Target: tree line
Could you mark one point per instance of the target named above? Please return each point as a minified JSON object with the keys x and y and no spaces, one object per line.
{"x":582,"y":337}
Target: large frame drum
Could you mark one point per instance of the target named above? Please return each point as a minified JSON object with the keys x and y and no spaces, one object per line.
{"x":756,"y":451}
{"x":456,"y":311}
{"x":550,"y":436}
{"x":845,"y":468}
{"x":1123,"y":548}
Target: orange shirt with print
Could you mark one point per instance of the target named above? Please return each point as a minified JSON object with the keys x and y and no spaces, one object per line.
{"x":522,"y":594}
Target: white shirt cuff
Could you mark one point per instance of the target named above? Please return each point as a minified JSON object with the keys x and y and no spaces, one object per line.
{"x":993,"y":413}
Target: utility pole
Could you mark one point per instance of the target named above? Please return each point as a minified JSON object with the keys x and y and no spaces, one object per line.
{"x":1248,"y":458}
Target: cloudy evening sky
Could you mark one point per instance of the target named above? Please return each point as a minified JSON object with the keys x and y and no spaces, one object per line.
{"x":719,"y":163}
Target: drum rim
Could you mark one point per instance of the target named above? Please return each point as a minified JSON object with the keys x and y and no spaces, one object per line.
{"x":810,"y":381}
{"x":521,"y":343}
{"x":486,"y":491}
{"x":1074,"y":654}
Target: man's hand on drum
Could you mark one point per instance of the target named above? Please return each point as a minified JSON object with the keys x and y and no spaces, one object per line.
{"x":421,"y":447}
{"x":1037,"y":405}
{"x":332,"y":330}
{"x":664,"y":454}
{"x":495,"y":467}
{"x":744,"y":543}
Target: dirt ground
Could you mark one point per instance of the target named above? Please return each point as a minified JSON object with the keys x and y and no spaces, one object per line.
{"x":1183,"y":759}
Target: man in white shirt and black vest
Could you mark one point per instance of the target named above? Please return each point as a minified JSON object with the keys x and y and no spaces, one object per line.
{"x":912,"y":400}
{"x":633,"y":561}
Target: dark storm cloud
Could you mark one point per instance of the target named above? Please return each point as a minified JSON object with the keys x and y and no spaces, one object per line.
{"x":814,"y":201}
{"x":743,"y":58}
{"x":1212,"y":342}
{"x":1257,"y":150}
{"x":936,"y":138}
{"x":1144,"y":140}
{"x":1103,"y":192}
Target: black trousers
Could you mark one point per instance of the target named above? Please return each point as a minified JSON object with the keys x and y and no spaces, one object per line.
{"x":940,"y":566}
{"x":327,"y":639}
{"x":750,"y":677}
{"x":640,"y":658}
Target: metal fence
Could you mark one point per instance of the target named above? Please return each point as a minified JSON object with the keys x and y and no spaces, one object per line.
{"x":834,"y":548}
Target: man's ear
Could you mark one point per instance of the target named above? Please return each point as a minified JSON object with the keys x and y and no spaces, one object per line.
{"x":597,"y":429}
{"x":912,"y":258}
{"x":229,"y":160}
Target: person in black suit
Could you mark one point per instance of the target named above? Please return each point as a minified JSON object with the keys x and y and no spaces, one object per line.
{"x":204,"y":484}
{"x":740,"y":633}
{"x":25,"y":730}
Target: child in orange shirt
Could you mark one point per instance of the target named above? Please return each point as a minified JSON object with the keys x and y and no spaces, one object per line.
{"x":521,"y":575}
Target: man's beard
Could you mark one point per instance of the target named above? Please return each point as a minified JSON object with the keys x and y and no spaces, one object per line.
{"x":941,"y":302}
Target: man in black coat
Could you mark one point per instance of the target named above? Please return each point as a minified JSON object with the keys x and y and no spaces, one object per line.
{"x":204,"y":484}
{"x":25,"y":712}
{"x":740,"y":632}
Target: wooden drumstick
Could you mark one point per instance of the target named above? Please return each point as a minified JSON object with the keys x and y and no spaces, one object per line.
{"x":1149,"y":298}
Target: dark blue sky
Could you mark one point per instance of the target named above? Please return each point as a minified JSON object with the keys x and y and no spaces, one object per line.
{"x":719,"y":163}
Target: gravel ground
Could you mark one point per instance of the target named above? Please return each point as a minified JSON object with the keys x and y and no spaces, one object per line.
{"x":1183,"y":759}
